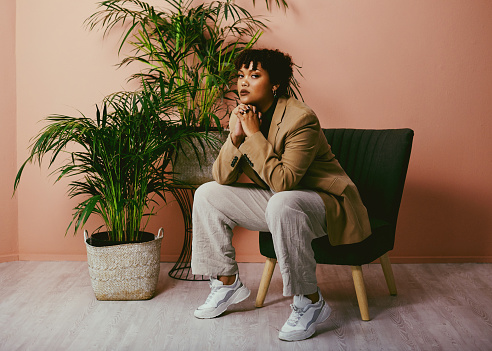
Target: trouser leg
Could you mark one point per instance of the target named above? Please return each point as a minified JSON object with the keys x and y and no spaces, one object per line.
{"x":217,"y":209}
{"x":295,"y":218}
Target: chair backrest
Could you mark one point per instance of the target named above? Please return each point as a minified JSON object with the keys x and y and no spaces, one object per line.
{"x":377,"y":162}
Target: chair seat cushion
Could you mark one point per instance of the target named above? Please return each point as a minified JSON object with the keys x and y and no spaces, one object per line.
{"x":366,"y":251}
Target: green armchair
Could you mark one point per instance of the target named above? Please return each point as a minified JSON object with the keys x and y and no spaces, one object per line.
{"x":377,"y":162}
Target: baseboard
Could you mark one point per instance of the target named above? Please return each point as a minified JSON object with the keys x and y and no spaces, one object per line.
{"x":9,"y":258}
{"x":254,"y":258}
{"x":239,"y":258}
{"x":441,"y":259}
{"x":395,"y":259}
{"x":169,"y":258}
{"x":164,"y":258}
{"x":251,"y":258}
{"x":47,"y":257}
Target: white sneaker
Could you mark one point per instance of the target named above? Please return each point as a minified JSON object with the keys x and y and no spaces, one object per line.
{"x":304,"y":318}
{"x":221,"y":297}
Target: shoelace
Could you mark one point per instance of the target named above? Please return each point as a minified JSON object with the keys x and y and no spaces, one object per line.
{"x":213,"y":289}
{"x":296,"y":314}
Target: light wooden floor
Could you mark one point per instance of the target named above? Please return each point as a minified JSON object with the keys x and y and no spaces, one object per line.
{"x":51,"y":306}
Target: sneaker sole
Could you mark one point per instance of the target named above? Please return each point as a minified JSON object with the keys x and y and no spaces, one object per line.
{"x":240,"y":295}
{"x":304,"y":334}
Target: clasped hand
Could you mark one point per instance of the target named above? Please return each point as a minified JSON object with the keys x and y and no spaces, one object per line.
{"x":248,"y":123}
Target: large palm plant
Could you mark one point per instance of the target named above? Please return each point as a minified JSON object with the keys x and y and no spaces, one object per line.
{"x":119,"y":167}
{"x":193,"y":44}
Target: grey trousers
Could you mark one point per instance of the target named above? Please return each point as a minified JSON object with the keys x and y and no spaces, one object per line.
{"x":293,"y":217}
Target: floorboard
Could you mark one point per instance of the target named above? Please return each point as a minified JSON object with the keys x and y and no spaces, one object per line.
{"x":51,"y":306}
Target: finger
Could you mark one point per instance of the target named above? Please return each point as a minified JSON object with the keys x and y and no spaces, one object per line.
{"x":245,"y":109}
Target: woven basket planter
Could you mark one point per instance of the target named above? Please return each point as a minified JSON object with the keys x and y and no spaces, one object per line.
{"x":125,"y":272}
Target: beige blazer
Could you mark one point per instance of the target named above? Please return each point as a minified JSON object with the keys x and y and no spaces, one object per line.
{"x":296,"y":155}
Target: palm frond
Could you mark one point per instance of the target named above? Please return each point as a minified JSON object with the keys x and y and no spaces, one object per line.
{"x":121,"y":156}
{"x":194,"y":45}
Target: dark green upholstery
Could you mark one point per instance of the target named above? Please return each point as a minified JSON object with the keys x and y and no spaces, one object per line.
{"x":377,"y":162}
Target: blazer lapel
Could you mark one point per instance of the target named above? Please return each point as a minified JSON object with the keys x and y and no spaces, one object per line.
{"x":277,"y":118}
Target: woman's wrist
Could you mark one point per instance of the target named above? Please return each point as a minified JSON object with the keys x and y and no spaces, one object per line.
{"x":237,"y":140}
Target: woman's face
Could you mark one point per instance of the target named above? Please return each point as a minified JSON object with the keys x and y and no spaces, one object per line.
{"x":254,"y":87}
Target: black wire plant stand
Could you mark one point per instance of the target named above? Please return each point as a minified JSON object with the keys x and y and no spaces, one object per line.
{"x":182,"y":268}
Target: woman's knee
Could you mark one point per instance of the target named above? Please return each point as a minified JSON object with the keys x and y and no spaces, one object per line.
{"x":211,"y":194}
{"x":205,"y":190}
{"x":203,"y":197}
{"x":282,"y":204}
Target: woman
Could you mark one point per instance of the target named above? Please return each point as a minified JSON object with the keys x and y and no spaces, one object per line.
{"x":299,"y":193}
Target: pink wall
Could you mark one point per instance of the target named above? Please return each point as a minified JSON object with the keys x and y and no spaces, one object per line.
{"x":425,"y":65}
{"x":8,"y":205}
{"x":421,"y":64}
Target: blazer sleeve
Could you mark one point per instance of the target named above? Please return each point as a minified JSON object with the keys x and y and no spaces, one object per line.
{"x":282,"y":169}
{"x":226,"y":169}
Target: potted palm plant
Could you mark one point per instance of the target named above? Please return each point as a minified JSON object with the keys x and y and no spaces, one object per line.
{"x":117,"y":162}
{"x":193,"y":44}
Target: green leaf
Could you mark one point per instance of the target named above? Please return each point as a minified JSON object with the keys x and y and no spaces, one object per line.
{"x":87,"y":209}
{"x":98,"y":116}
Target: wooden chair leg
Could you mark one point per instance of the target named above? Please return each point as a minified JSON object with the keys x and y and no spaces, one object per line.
{"x":265,"y":281}
{"x":360,"y":291}
{"x":388,"y":273}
